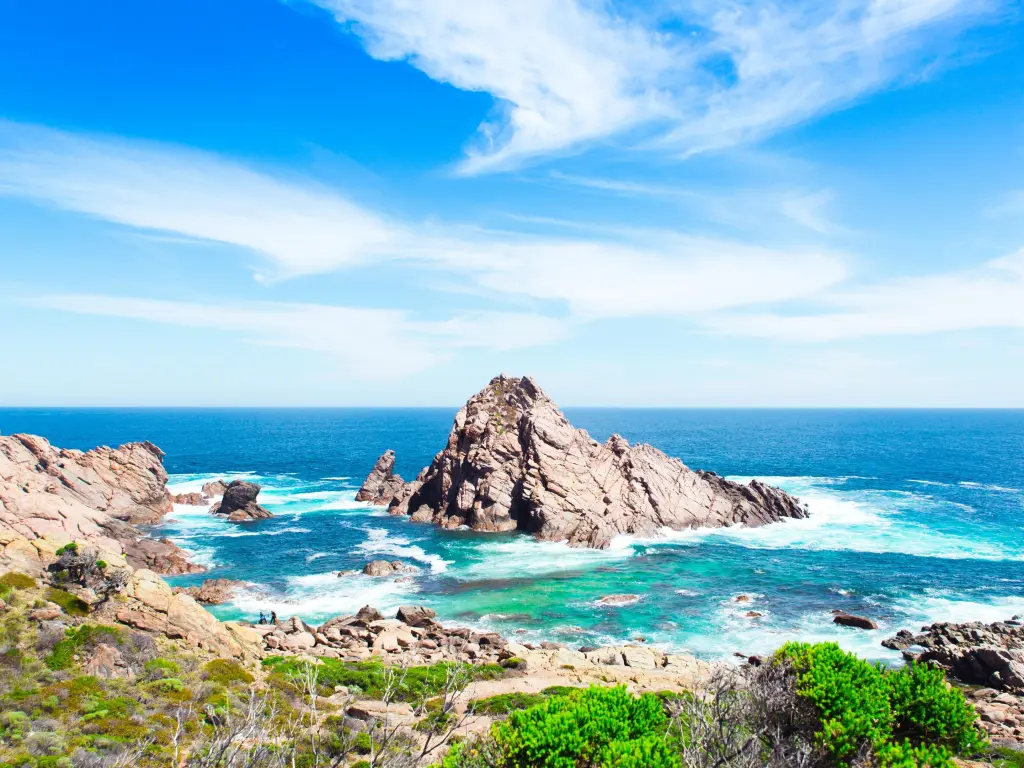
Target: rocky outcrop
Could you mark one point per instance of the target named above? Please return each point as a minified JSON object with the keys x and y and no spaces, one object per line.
{"x":514,"y":462}
{"x":415,"y":637}
{"x":974,"y":653}
{"x":239,"y":503}
{"x":160,"y":555}
{"x":214,"y":488}
{"x":989,"y":655}
{"x":152,"y":606}
{"x":213,"y":591}
{"x":51,"y":496}
{"x":191,"y":499}
{"x":382,"y":484}
{"x":385,"y":568}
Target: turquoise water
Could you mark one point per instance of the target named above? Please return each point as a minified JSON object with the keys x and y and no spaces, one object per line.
{"x":916,"y":516}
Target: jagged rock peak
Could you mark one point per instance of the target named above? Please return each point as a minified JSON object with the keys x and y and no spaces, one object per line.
{"x":382,"y":483}
{"x":513,"y":461}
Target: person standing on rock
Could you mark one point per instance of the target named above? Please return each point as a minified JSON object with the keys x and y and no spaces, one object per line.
{"x":273,"y":617}
{"x":263,"y":619}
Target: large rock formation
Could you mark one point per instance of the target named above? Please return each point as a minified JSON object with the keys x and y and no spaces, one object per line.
{"x":514,"y":462}
{"x":50,"y":496}
{"x":382,"y":484}
{"x":239,"y":503}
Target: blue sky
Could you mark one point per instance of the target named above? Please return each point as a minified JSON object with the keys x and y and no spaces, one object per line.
{"x":386,"y":202}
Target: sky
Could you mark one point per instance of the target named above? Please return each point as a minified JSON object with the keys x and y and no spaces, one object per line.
{"x":742,"y":203}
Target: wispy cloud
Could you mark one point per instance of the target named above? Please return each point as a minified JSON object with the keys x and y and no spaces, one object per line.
{"x":988,"y":297}
{"x":370,"y":343}
{"x":302,"y":228}
{"x":569,"y":72}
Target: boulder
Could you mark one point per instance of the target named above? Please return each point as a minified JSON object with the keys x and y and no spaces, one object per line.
{"x":368,"y":614}
{"x":160,"y":556}
{"x":416,"y":615}
{"x":106,"y":662}
{"x":150,"y":590}
{"x":238,"y":503}
{"x":298,"y":641}
{"x":849,"y":620}
{"x":382,"y":483}
{"x":385,"y":568}
{"x":514,"y":462}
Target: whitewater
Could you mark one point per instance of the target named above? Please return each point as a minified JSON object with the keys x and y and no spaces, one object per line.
{"x":915,"y":517}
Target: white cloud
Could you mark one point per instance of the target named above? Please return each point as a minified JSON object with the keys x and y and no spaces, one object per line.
{"x":370,"y":343}
{"x":568,"y":72}
{"x":302,"y":228}
{"x":989,"y":297}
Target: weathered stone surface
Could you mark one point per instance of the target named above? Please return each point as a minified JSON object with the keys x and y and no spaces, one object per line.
{"x":213,"y":591}
{"x":382,"y":483}
{"x":214,"y":488}
{"x":191,"y":499}
{"x":849,"y":620}
{"x":416,"y":615}
{"x":160,"y":555}
{"x":238,"y":503}
{"x":385,"y":568}
{"x":150,"y":590}
{"x":106,"y":662}
{"x":514,"y":462}
{"x":51,"y":496}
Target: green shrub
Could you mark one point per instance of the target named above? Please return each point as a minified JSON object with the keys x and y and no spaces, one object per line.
{"x":161,"y":667}
{"x":910,"y":717}
{"x":73,"y":606}
{"x":15,"y":580}
{"x":598,"y":726}
{"x":926,"y":710}
{"x":850,"y":694}
{"x":62,"y":655}
{"x":513,"y":663}
{"x":370,"y":677}
{"x":560,"y":690}
{"x":167,"y":685}
{"x":505,"y":703}
{"x":68,"y":549}
{"x":226,"y":672}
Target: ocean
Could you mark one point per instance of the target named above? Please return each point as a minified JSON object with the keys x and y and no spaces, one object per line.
{"x":916,"y":516}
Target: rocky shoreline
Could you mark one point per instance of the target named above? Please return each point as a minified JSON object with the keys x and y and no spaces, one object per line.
{"x":98,"y":500}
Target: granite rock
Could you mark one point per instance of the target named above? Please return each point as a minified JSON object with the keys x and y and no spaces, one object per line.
{"x":238,"y":503}
{"x":382,"y":483}
{"x":514,"y":462}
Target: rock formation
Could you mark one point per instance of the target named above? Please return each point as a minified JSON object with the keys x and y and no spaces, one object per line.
{"x":384,"y":568}
{"x":514,"y":462}
{"x":239,"y":503}
{"x":191,"y":499}
{"x":850,"y":620}
{"x":989,"y":655}
{"x":212,"y":591}
{"x":382,"y":484}
{"x":214,"y":488}
{"x":50,"y":496}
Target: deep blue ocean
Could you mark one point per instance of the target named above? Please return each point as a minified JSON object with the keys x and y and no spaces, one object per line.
{"x":916,"y":516}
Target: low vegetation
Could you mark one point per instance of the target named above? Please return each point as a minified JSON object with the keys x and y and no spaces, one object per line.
{"x":809,"y":706}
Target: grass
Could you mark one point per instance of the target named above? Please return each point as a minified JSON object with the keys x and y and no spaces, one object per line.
{"x":73,"y":606}
{"x":63,"y":654}
{"x":15,"y":580}
{"x":226,"y":672}
{"x":370,"y":677}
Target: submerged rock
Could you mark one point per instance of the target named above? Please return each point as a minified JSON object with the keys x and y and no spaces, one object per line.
{"x":382,"y":484}
{"x":239,"y":503}
{"x":190,"y":499}
{"x":514,"y":462}
{"x":618,"y":600}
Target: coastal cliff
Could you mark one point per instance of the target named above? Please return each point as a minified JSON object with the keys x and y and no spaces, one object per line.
{"x":51,"y":496}
{"x":514,"y":462}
